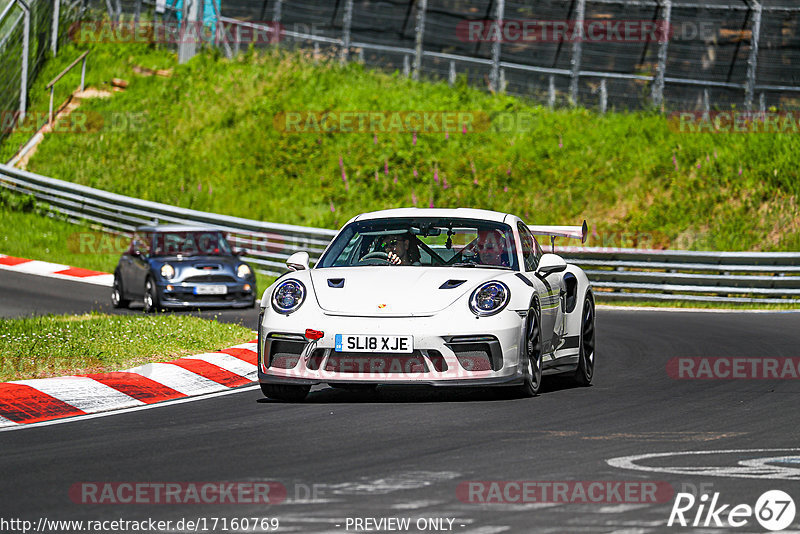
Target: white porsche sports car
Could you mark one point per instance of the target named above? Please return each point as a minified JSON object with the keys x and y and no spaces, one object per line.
{"x":446,"y":297}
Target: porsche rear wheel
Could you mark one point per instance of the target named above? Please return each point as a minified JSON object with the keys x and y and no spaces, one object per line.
{"x":532,"y":355}
{"x":289,"y":393}
{"x":585,"y":371}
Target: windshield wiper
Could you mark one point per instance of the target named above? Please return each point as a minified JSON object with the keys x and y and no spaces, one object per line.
{"x":464,"y":264}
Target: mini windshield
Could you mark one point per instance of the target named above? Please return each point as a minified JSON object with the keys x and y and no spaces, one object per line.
{"x":209,"y":243}
{"x":434,"y":242}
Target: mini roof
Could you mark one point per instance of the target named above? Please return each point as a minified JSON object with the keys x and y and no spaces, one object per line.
{"x":176,"y":228}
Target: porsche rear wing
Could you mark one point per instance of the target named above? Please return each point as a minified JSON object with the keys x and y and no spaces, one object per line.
{"x":575,"y":232}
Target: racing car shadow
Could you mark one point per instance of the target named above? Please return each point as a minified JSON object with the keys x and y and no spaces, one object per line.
{"x":324,"y":394}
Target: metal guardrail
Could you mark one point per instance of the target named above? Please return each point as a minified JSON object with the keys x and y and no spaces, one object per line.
{"x":268,"y":244}
{"x":628,"y":274}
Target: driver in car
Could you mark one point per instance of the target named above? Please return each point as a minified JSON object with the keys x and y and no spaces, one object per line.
{"x":491,"y":247}
{"x":399,"y":249}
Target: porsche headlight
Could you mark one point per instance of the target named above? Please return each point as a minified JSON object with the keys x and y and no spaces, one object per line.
{"x":243,"y":271}
{"x":288,"y":296}
{"x":489,"y":298}
{"x":167,"y":271}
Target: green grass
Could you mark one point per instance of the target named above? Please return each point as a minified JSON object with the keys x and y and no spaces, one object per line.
{"x":54,"y":345}
{"x":693,"y":304}
{"x":207,"y":142}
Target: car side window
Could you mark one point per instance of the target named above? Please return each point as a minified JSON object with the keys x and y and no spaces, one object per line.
{"x":529,"y":248}
{"x":139,"y":243}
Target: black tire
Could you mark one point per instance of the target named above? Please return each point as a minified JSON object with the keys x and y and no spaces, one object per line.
{"x":289,"y":393}
{"x":151,"y":301}
{"x":118,"y":299}
{"x":532,"y":354}
{"x":585,"y":370}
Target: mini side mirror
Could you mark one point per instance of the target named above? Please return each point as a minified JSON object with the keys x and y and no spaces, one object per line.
{"x":549,"y":264}
{"x":298,"y":261}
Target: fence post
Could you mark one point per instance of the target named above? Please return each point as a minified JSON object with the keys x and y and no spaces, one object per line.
{"x":193,"y":18}
{"x":422,"y":8}
{"x":83,"y":73}
{"x":603,"y":96}
{"x":451,"y":76}
{"x":551,"y":92}
{"x":494,"y":75}
{"x":23,"y":78}
{"x":54,"y":36}
{"x":657,"y":93}
{"x":406,"y":66}
{"x":752,"y":60}
{"x":276,"y":13}
{"x":706,"y":101}
{"x":137,"y":11}
{"x":577,"y":50}
{"x":346,"y":24}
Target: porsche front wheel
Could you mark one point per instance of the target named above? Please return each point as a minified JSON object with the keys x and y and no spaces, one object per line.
{"x":532,"y":355}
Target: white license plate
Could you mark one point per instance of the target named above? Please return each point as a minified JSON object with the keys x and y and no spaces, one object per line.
{"x":371,"y":343}
{"x":211,"y":290}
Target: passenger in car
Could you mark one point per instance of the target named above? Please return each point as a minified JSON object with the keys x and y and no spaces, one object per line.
{"x":491,"y":247}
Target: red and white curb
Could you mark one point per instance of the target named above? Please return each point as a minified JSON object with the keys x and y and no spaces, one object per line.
{"x":43,"y":399}
{"x":55,"y":270}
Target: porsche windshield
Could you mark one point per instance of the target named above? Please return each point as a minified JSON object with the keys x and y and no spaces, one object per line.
{"x":446,"y":242}
{"x":193,"y":243}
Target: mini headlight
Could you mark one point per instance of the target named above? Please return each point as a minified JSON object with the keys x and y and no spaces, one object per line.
{"x":288,"y":296}
{"x":167,"y":270}
{"x":243,"y":271}
{"x":489,"y":298}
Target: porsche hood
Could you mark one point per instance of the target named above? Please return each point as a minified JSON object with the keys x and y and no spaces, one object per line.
{"x":395,"y":291}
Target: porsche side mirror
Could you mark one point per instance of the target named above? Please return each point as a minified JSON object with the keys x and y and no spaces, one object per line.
{"x":298,"y":261}
{"x":549,"y":264}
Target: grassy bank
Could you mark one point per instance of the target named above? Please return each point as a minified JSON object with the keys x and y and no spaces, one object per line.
{"x":44,"y":346}
{"x":206,"y":139}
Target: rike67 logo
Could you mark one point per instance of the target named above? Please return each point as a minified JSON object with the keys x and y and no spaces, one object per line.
{"x":774,"y":510}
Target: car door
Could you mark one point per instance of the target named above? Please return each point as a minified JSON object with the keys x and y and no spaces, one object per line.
{"x":139,"y":264}
{"x":550,"y":289}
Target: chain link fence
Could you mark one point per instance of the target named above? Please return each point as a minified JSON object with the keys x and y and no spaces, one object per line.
{"x":600,"y":54}
{"x":705,"y":54}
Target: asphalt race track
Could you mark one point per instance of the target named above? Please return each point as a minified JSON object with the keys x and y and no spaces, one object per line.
{"x":402,"y":453}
